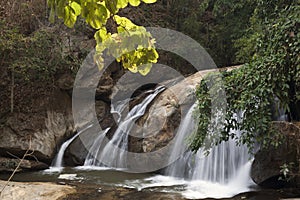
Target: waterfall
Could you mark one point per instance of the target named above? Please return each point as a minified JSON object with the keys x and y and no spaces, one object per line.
{"x":89,"y":160}
{"x":118,"y":108}
{"x":113,"y":153}
{"x":181,"y":168}
{"x":58,"y":160}
{"x":224,"y":172}
{"x":220,"y":165}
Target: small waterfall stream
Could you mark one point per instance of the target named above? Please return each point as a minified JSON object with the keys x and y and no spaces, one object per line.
{"x":114,"y":152}
{"x":58,"y":160}
{"x":116,"y":158}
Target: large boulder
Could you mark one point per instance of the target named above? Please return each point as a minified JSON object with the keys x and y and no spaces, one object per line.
{"x":267,"y":168}
{"x":164,"y":116}
{"x":157,"y":127}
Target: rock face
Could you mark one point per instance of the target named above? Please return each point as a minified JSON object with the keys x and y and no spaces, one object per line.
{"x":158,"y":125}
{"x":42,"y":129}
{"x":267,"y":165}
{"x":165,"y":114}
{"x":34,"y":190}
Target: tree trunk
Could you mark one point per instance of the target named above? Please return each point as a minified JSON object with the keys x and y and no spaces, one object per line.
{"x":12,"y":91}
{"x":294,"y":103}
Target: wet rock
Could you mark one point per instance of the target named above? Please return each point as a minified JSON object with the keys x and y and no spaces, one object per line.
{"x":157,"y":127}
{"x":267,"y":165}
{"x":10,"y":164}
{"x":92,"y":192}
{"x":102,"y":109}
{"x":160,"y":123}
{"x":105,"y":86}
{"x":77,"y":151}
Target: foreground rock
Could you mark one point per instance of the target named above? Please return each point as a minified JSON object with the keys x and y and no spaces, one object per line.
{"x":267,"y":165}
{"x":35,"y":190}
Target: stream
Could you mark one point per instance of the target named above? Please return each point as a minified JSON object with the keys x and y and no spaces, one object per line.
{"x":107,"y":184}
{"x":107,"y":174}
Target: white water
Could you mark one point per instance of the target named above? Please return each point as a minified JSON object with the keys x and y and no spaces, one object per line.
{"x":58,"y":160}
{"x":118,"y":108}
{"x":90,"y":160}
{"x":223,"y":173}
{"x":114,"y":153}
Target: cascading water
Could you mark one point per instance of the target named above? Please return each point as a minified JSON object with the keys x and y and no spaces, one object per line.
{"x":58,"y":160}
{"x":223,"y":173}
{"x":222,"y":163}
{"x":114,"y":152}
{"x":89,"y":160}
{"x":226,"y":167}
{"x":119,"y":138}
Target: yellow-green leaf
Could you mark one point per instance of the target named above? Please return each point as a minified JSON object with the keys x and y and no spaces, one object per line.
{"x":60,"y":8}
{"x":76,"y":8}
{"x":98,"y":59}
{"x":101,"y":35}
{"x":133,"y":68}
{"x":111,"y":5}
{"x":70,"y":17}
{"x":124,"y":22}
{"x":97,"y":16}
{"x":145,"y":69}
{"x":134,"y":2}
{"x":52,"y":14}
{"x":149,"y":1}
{"x":122,"y":3}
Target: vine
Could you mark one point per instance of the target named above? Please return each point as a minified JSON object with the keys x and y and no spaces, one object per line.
{"x":273,"y":72}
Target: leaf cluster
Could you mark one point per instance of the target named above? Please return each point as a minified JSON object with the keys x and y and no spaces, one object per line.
{"x":131,"y":44}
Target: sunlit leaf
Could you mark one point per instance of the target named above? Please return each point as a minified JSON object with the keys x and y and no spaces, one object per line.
{"x":145,"y":69}
{"x":98,"y":59}
{"x":70,"y":17}
{"x":76,"y":8}
{"x":134,"y":2}
{"x":122,"y":3}
{"x":124,"y":22}
{"x":149,"y":1}
{"x":97,"y":16}
{"x":101,"y":35}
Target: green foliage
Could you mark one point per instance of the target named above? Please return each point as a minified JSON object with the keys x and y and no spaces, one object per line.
{"x":34,"y":57}
{"x":287,"y":172}
{"x":215,"y":24}
{"x":131,"y":44}
{"x":250,"y":90}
